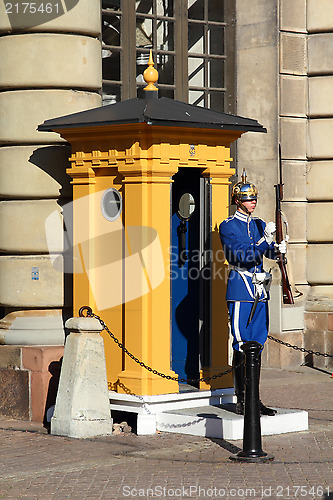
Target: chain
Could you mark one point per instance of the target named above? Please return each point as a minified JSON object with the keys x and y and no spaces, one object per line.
{"x":90,"y":313}
{"x":302,"y":349}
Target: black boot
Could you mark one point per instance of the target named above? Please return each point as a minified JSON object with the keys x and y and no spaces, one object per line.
{"x":239,"y":380}
{"x":265,"y":410}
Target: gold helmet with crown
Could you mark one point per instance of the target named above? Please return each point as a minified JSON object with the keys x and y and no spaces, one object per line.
{"x":243,"y":190}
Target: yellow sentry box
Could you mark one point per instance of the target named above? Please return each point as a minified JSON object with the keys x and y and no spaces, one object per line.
{"x":124,"y":159}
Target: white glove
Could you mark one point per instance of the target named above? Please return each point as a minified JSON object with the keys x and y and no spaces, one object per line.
{"x":269,"y":231}
{"x":282,"y":247}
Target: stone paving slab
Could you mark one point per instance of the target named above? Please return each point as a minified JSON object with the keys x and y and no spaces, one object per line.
{"x":36,"y":465}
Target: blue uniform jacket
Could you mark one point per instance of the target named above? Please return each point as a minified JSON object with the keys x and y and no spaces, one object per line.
{"x":244,"y":246}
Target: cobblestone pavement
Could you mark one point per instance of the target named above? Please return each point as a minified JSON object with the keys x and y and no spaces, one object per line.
{"x":36,"y":465}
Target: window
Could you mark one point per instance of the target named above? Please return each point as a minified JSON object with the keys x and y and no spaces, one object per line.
{"x":192,"y":44}
{"x":111,"y":204}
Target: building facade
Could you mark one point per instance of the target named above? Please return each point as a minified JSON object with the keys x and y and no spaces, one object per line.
{"x":270,"y":61}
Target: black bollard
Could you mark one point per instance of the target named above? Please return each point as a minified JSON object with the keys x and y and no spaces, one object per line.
{"x":252,"y":450}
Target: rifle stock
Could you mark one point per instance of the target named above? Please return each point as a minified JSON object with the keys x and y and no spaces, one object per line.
{"x":287,"y":295}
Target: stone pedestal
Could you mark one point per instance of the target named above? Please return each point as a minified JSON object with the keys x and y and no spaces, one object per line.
{"x":82,"y":408}
{"x":318,"y":336}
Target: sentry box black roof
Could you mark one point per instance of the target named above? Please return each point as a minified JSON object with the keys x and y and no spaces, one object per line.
{"x":153,"y":111}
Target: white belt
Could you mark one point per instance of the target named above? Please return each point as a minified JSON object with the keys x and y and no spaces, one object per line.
{"x":258,"y":281}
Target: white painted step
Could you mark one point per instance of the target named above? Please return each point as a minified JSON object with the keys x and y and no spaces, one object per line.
{"x":218,"y":422}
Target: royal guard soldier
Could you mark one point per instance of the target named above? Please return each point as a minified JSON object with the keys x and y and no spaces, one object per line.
{"x":246,"y":240}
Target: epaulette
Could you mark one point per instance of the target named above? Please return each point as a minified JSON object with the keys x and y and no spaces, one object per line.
{"x":229,"y":218}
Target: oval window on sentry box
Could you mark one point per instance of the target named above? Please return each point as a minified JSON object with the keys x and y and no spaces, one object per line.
{"x":111,"y":204}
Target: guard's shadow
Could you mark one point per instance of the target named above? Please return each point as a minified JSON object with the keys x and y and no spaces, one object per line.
{"x":54,"y":369}
{"x":226,"y":445}
{"x":210,"y":419}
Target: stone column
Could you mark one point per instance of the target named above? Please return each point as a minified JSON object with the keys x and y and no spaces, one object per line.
{"x":50,"y":66}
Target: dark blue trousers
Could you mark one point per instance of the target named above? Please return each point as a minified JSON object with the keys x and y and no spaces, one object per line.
{"x":258,"y":328}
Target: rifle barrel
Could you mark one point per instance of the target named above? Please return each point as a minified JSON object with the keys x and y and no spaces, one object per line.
{"x":286,"y":288}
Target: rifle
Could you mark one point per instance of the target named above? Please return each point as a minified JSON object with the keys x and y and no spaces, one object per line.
{"x":281,"y":258}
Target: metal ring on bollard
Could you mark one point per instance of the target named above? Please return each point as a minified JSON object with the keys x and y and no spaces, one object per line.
{"x":85,"y":308}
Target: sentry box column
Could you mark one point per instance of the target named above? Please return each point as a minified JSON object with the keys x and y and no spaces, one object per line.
{"x":150,"y":187}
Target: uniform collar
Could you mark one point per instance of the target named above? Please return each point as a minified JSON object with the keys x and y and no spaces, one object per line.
{"x":245,"y":218}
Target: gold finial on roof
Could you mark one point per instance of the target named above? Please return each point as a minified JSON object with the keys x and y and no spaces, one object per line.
{"x":150,"y":74}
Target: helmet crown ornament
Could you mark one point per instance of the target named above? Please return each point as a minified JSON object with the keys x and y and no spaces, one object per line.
{"x":243,"y":190}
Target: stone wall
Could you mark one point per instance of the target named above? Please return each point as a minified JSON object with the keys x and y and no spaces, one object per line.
{"x":271,"y":72}
{"x":319,"y":337}
{"x":319,"y":186}
{"x":319,"y":183}
{"x":29,"y":377}
{"x":285,"y":80}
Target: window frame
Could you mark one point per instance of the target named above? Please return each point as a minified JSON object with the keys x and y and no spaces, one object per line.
{"x":181,"y":87}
